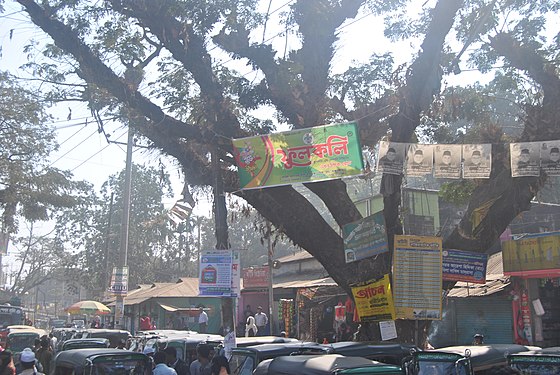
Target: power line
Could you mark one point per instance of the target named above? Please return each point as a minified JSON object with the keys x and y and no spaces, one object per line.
{"x":73,"y":148}
{"x":85,"y":161}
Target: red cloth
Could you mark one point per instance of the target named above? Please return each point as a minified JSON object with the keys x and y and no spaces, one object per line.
{"x":145,"y":323}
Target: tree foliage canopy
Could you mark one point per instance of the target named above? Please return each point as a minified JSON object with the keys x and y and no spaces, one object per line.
{"x":163,"y":65}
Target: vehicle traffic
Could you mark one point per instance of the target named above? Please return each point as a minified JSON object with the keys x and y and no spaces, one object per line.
{"x":539,"y":361}
{"x":9,"y":316}
{"x":101,"y":361}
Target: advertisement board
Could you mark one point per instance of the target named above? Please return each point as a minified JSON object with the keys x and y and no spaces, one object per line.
{"x":255,"y":277}
{"x":215,"y":273}
{"x":119,"y":281}
{"x":532,"y":254}
{"x":465,"y":266}
{"x":374,"y":300}
{"x":312,"y":154}
{"x":365,"y":238}
{"x":417,"y":277}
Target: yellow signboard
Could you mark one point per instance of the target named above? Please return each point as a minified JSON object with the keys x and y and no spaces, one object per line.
{"x":374,"y":300}
{"x":417,"y":277}
{"x":535,"y":253}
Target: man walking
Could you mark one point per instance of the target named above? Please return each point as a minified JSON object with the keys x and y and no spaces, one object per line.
{"x":202,"y":320}
{"x":161,"y":368}
{"x":261,"y":320}
{"x":201,"y":366}
{"x":180,"y":366}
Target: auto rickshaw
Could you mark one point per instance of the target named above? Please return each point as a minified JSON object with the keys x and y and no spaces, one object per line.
{"x":20,"y":339}
{"x":387,"y":353}
{"x":258,"y":340}
{"x":102,"y":361}
{"x":328,"y":364}
{"x":462,"y":360}
{"x":186,"y":346}
{"x":85,"y":343}
{"x":541,"y":361}
{"x":244,"y":360}
{"x":115,"y":336}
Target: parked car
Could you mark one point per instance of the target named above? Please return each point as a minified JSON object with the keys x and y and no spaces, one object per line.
{"x":258,"y":340}
{"x":85,"y":343}
{"x":540,"y":361}
{"x":329,"y":364}
{"x":462,"y":360}
{"x":101,"y":361}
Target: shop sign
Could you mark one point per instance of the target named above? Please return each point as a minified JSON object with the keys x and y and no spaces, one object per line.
{"x":417,"y":277}
{"x":309,"y":293}
{"x":255,"y":277}
{"x":312,"y":154}
{"x":531,"y":253}
{"x":119,"y":281}
{"x":215,"y":273}
{"x":365,"y":238}
{"x":464,"y":266}
{"x":374,"y":300}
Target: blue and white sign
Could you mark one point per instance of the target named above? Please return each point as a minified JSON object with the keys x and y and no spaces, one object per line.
{"x":466,"y":266}
{"x":215,"y":273}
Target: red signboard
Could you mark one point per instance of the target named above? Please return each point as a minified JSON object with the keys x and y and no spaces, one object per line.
{"x":255,"y":277}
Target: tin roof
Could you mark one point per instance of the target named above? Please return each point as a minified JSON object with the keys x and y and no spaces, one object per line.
{"x":495,"y":281}
{"x":184,"y":287}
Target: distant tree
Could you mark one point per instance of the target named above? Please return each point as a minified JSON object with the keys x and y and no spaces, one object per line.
{"x":29,"y":187}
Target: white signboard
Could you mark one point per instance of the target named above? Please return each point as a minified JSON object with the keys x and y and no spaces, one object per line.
{"x":235,"y":273}
{"x":119,"y":281}
{"x":215,"y":272}
{"x":388,"y":330}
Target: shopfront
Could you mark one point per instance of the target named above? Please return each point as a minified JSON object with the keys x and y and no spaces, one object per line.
{"x":533,"y":262}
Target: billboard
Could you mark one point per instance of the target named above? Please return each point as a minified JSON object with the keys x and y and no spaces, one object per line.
{"x":374,"y":300}
{"x":119,"y":281}
{"x":255,"y":277}
{"x":365,"y":238}
{"x":417,"y":277}
{"x":465,"y":266}
{"x":531,"y":254}
{"x":215,"y":273}
{"x":312,"y":154}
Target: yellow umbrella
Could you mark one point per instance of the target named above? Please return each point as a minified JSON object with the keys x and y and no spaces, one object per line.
{"x":88,"y":307}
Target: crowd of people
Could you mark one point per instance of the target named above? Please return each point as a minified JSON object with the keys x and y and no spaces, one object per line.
{"x":255,"y":323}
{"x":166,"y":362}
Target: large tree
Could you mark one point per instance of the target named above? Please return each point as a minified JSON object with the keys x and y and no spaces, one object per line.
{"x":194,"y":104}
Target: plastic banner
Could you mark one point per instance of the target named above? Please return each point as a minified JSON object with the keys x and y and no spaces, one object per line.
{"x":365,"y":238}
{"x":374,"y":300}
{"x":312,"y":154}
{"x":465,"y":266}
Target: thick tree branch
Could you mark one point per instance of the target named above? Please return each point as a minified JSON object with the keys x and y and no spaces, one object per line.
{"x":502,"y":198}
{"x":93,"y":70}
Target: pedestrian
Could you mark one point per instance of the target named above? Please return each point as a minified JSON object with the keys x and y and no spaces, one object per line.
{"x":201,"y":366}
{"x":220,"y":366}
{"x":161,"y":368}
{"x":54,"y":342}
{"x":6,"y":363}
{"x":27,"y":363}
{"x":251,"y":329}
{"x":180,"y":366}
{"x":202,"y":320}
{"x":478,"y":339}
{"x":261,"y":320}
{"x":44,"y":355}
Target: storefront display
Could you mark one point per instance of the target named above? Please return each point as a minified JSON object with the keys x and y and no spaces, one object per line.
{"x":286,"y":316}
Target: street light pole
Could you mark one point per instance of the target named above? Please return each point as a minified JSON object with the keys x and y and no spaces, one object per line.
{"x":123,"y":250}
{"x":271,"y":316}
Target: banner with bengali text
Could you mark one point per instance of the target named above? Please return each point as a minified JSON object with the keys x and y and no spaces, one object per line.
{"x":313,"y":154}
{"x":374,"y":300}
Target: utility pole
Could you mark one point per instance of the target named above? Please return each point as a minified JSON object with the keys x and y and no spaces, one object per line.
{"x":123,"y":251}
{"x":107,"y":241}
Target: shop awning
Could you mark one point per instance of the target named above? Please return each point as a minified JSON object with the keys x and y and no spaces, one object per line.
{"x":167,"y":307}
{"x":326,"y":281}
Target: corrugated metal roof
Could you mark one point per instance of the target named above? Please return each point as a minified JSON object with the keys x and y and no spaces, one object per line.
{"x":495,"y":281}
{"x":326,"y":281}
{"x":184,"y":287}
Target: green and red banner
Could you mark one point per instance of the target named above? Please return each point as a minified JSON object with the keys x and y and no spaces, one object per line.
{"x":313,"y":154}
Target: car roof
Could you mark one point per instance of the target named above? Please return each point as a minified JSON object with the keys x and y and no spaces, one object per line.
{"x":482,"y":356}
{"x":250,"y":341}
{"x":313,"y":364}
{"x":278,"y":349}
{"x":552,"y":351}
{"x":77,"y":357}
{"x":365,"y":349}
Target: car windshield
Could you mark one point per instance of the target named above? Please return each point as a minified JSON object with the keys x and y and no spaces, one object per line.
{"x":440,"y":368}
{"x":121,"y":367}
{"x":241,"y":364}
{"x":16,"y":343}
{"x":537,"y":368}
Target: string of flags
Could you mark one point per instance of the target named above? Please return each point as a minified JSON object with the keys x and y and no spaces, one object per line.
{"x":467,"y":161}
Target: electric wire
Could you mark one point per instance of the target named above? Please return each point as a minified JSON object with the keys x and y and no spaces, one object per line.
{"x":95,"y":154}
